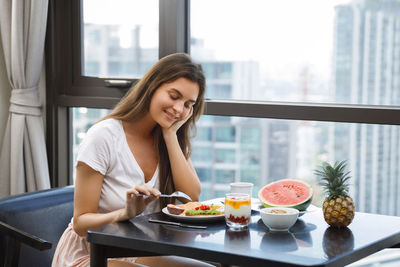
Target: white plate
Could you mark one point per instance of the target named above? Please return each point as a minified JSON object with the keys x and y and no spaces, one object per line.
{"x":184,"y":218}
{"x":205,"y":218}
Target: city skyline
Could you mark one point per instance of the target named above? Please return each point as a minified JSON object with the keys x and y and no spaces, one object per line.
{"x":366,"y":71}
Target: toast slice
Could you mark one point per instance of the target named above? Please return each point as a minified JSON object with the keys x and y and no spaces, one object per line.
{"x":175,"y":209}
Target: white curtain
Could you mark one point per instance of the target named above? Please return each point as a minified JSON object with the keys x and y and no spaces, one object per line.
{"x":23,"y":159}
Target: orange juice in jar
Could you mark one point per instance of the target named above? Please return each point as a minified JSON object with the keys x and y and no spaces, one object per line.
{"x":237,"y":211}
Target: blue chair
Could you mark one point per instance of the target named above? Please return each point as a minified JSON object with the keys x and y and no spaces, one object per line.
{"x":31,"y":225}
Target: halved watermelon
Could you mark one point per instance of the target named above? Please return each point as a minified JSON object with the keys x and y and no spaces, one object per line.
{"x":286,"y":193}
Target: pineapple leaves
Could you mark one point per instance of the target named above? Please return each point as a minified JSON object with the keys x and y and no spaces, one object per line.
{"x":334,"y":179}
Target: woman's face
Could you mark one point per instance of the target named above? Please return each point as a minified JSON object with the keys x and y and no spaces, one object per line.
{"x":173,"y":101}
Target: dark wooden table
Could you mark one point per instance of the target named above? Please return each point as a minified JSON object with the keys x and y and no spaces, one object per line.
{"x":310,"y":241}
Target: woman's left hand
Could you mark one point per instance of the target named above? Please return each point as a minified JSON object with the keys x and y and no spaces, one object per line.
{"x":176,"y":125}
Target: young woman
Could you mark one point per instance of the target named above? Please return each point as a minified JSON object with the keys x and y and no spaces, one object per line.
{"x":141,"y":147}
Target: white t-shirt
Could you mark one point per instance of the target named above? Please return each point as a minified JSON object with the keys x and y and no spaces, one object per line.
{"x":106,"y":150}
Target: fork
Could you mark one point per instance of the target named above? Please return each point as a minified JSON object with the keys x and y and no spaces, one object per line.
{"x":177,"y":194}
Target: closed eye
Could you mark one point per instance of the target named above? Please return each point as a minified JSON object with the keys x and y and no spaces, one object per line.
{"x":174,"y":96}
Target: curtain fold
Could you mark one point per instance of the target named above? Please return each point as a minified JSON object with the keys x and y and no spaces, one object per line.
{"x":23,"y":159}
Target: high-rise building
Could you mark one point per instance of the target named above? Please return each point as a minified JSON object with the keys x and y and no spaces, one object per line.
{"x":232,"y":149}
{"x":111,"y":52}
{"x":366,"y":70}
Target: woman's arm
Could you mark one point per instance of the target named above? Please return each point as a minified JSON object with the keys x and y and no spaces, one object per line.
{"x":88,"y":186}
{"x":183,"y":172}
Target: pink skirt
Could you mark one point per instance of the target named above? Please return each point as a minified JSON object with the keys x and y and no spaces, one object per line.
{"x":74,"y":251}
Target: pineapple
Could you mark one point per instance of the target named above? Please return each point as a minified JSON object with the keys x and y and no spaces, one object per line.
{"x":338,"y":207}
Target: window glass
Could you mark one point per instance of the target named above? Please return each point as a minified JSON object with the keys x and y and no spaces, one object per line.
{"x":250,"y":175}
{"x":225,"y":176}
{"x":82,"y":119}
{"x":291,"y":149}
{"x":250,"y":156}
{"x":340,"y":51}
{"x":120,"y":37}
{"x":275,"y":149}
{"x":202,"y":154}
{"x":224,"y":155}
{"x":204,"y":133}
{"x":225,"y":134}
{"x":204,"y":174}
{"x":250,"y":136}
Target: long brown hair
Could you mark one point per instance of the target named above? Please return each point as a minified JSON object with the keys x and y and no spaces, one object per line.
{"x":136,"y":103}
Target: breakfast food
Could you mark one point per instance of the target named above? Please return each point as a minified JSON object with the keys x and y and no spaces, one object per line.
{"x":338,"y":206}
{"x":237,"y":210}
{"x":194,"y":209}
{"x":204,"y":210}
{"x":180,"y":209}
{"x":276,"y":211}
{"x":175,"y":209}
{"x":279,"y":211}
{"x":289,"y":193}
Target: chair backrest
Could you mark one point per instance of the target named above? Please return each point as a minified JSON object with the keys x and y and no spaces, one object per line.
{"x":44,"y":214}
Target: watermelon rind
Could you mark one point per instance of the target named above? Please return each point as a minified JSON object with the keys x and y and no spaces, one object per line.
{"x":301,"y":206}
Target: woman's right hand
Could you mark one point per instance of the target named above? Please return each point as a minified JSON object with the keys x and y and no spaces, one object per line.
{"x":135,"y":203}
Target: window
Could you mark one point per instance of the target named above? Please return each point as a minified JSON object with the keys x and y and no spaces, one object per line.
{"x":373,"y":153}
{"x":204,"y":174}
{"x":275,"y":109}
{"x":225,"y":134}
{"x":224,"y":155}
{"x":204,"y":133}
{"x":288,"y":51}
{"x":120,"y":42}
{"x":250,"y":134}
{"x":202,"y":154}
{"x":225,"y":176}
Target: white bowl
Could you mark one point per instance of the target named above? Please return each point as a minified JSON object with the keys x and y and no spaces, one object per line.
{"x":279,"y":219}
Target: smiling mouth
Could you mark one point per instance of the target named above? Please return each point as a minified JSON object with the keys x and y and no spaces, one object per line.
{"x":171,"y":116}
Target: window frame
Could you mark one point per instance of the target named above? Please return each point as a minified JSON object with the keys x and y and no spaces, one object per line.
{"x":66,"y":87}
